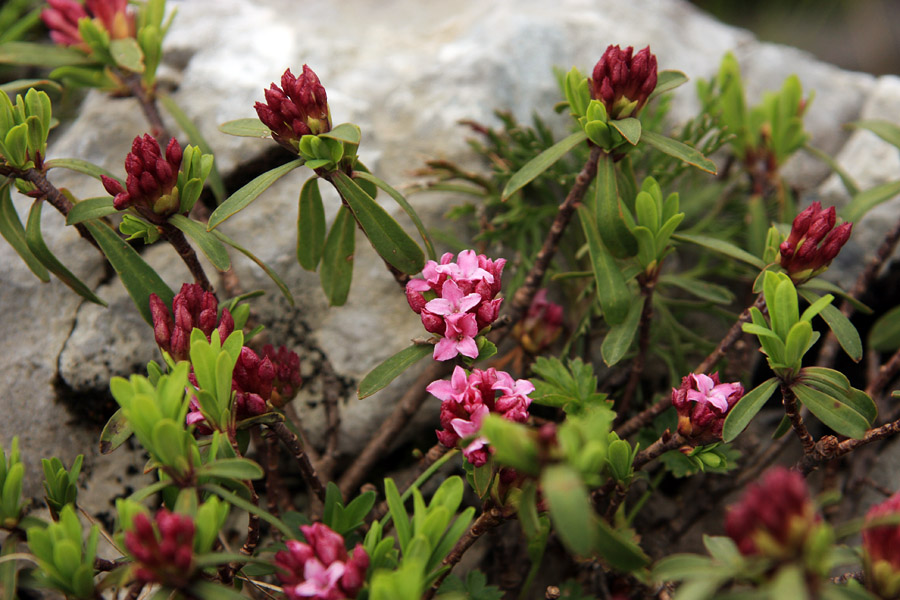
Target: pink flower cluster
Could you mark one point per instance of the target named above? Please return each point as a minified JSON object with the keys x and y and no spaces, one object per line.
{"x":194,"y":308}
{"x":164,"y":553}
{"x":465,"y":301}
{"x":467,"y":400}
{"x":150,"y":186}
{"x":321,"y":569}
{"x":62,"y":17}
{"x":702,"y":403}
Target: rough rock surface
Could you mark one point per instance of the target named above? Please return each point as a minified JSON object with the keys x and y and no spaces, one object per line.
{"x":406,"y":72}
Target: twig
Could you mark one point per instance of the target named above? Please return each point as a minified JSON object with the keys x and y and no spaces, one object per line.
{"x":841,"y":579}
{"x":829,"y":448}
{"x":886,"y":372}
{"x":307,"y":470}
{"x":380,"y":443}
{"x":174,"y":236}
{"x":648,"y":284}
{"x":147,"y":100}
{"x":665,"y":443}
{"x":134,"y":590}
{"x":486,"y":521}
{"x":733,"y":334}
{"x":331,"y":397}
{"x":790,"y":408}
{"x":644,"y":417}
{"x":525,"y":294}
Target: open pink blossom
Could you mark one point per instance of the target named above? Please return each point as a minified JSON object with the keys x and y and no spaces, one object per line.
{"x":321,"y":569}
{"x":452,"y":300}
{"x":707,"y":391}
{"x":702,"y":403}
{"x":459,"y":337}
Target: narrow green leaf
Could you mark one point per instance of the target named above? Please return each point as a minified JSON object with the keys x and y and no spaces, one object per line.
{"x":843,"y":329}
{"x":683,"y":566}
{"x":541,"y":163}
{"x":619,"y":551}
{"x":345,"y":132}
{"x":630,"y":129}
{"x":398,"y":513}
{"x":885,"y":333}
{"x":619,"y":338}
{"x":784,"y":312}
{"x":250,"y":192}
{"x":818,"y":283}
{"x":611,"y":289}
{"x":266,"y":268}
{"x":868,"y":199}
{"x":862,"y":403}
{"x":127,"y":54}
{"x":81,"y":166}
{"x":824,"y":376}
{"x":232,"y":468}
{"x":115,"y":432}
{"x":391,"y":242}
{"x":405,"y":205}
{"x":252,"y":508}
{"x":722,"y":247}
{"x":35,"y":242}
{"x":704,"y":290}
{"x":310,"y":225}
{"x":746,"y":408}
{"x":570,"y":508}
{"x":12,"y":231}
{"x":679,"y":150}
{"x":251,"y":127}
{"x":41,"y":55}
{"x":137,"y":276}
{"x":91,"y":208}
{"x":608,"y":212}
{"x":849,"y":184}
{"x":206,"y":590}
{"x":336,"y":272}
{"x":209,"y":244}
{"x":379,"y":377}
{"x":196,"y":138}
{"x":816,"y":307}
{"x":832,"y":412}
{"x":797,"y":341}
{"x":886,"y":130}
{"x":667,"y":80}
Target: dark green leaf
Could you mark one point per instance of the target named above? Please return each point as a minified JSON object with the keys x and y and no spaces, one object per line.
{"x":630,"y":129}
{"x":407,"y":208}
{"x":667,"y":80}
{"x":35,"y":242}
{"x":196,"y":138}
{"x":81,"y":166}
{"x":251,"y":127}
{"x":115,"y":432}
{"x":232,"y":468}
{"x":679,"y":150}
{"x":379,"y":377}
{"x":722,"y":247}
{"x":127,"y":54}
{"x":611,"y":289}
{"x":250,"y":192}
{"x":310,"y":225}
{"x":266,"y":268}
{"x":843,"y":329}
{"x":868,"y":199}
{"x":619,"y":338}
{"x":818,"y":283}
{"x":337,"y":258}
{"x":41,"y":55}
{"x":12,"y":231}
{"x":387,"y":237}
{"x":702,"y":289}
{"x":541,"y":163}
{"x":885,"y":333}
{"x":92,"y":208}
{"x":607,"y":211}
{"x":619,"y":551}
{"x":570,"y":508}
{"x":137,"y":276}
{"x":746,"y":408}
{"x":862,"y":403}
{"x":835,"y":414}
{"x":208,"y":243}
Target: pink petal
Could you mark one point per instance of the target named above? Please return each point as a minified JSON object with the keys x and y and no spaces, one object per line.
{"x":445,"y":349}
{"x":441,"y":306}
{"x":467,"y":347}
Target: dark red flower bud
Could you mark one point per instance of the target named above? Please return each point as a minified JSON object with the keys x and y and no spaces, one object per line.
{"x":193,"y":308}
{"x":622,"y":82}
{"x":813,"y":243}
{"x":298,"y":108}
{"x":881,"y":549}
{"x":164,"y":553}
{"x":433,"y":323}
{"x":150,"y":185}
{"x":702,"y":403}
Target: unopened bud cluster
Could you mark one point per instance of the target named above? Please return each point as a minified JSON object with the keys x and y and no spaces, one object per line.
{"x":62,"y":18}
{"x":702,"y":403}
{"x":881,"y":549}
{"x":542,"y":324}
{"x":150,"y":187}
{"x":467,"y":399}
{"x":299,"y":107}
{"x":321,"y":569}
{"x":624,"y":82}
{"x":813,"y":243}
{"x":164,"y":552}
{"x":465,"y":301}
{"x":193,"y":308}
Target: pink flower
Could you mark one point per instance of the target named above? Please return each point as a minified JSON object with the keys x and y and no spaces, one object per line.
{"x":299,"y":107}
{"x":452,"y":300}
{"x":459,"y":338}
{"x":62,"y":17}
{"x":702,"y":403}
{"x":321,"y":569}
{"x":881,"y":547}
{"x":163,"y":553}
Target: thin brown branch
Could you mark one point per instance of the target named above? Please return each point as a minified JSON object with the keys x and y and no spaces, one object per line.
{"x":648,"y":284}
{"x":829,"y":448}
{"x":644,"y":417}
{"x":331,"y":397}
{"x":789,"y":399}
{"x":486,"y":521}
{"x":886,"y":373}
{"x":174,"y":236}
{"x":380,"y":443}
{"x":665,"y":443}
{"x":307,"y":470}
{"x":525,"y":294}
{"x":730,"y":338}
{"x":147,"y":100}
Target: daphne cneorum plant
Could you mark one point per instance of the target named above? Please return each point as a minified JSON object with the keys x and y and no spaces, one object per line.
{"x":516,"y":328}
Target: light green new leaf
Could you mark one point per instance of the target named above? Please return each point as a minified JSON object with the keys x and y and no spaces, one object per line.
{"x":250,"y":127}
{"x":232,"y":468}
{"x":541,"y":163}
{"x":337,"y":258}
{"x":208,"y":243}
{"x":746,"y":408}
{"x":835,"y":414}
{"x":667,"y":80}
{"x":250,"y":192}
{"x":570,"y":508}
{"x":345,"y":132}
{"x":379,"y":377}
{"x":127,"y":54}
{"x":607,"y":211}
{"x":679,"y":150}
{"x":630,"y":129}
{"x":886,"y":130}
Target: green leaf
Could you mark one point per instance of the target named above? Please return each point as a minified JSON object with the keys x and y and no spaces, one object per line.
{"x":797,"y":341}
{"x":886,"y":130}
{"x":206,"y":590}
{"x":704,"y":290}
{"x":196,"y":138}
{"x":379,"y":377}
{"x":722,"y":247}
{"x":570,"y":507}
{"x":266,"y":268}
{"x":116,"y":431}
{"x":843,"y":329}
{"x":12,"y":231}
{"x":310,"y":225}
{"x":35,"y":242}
{"x":885,"y":333}
{"x":611,"y":289}
{"x":127,"y":54}
{"x":832,"y":412}
{"x":250,"y":192}
{"x":208,"y":243}
{"x":667,"y":80}
{"x":607,"y":211}
{"x":849,"y":184}
{"x":630,"y":128}
{"x":251,"y":127}
{"x":743,"y":412}
{"x":679,"y":150}
{"x":677,"y":567}
{"x":92,"y":208}
{"x":398,"y":513}
{"x":137,"y":276}
{"x":232,"y":468}
{"x":829,"y":378}
{"x":868,"y":199}
{"x":337,"y":258}
{"x":345,"y":132}
{"x":619,"y":551}
{"x":41,"y":55}
{"x":391,"y":242}
{"x":541,"y":163}
{"x":821,"y":284}
{"x":619,"y":338}
{"x":862,"y":403}
{"x":404,"y":204}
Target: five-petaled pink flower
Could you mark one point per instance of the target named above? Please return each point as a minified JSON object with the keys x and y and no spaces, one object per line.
{"x":702,"y":403}
{"x":321,"y":569}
